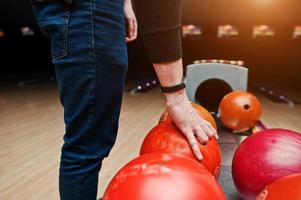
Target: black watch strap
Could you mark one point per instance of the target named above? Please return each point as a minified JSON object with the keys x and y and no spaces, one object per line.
{"x":175,"y":88}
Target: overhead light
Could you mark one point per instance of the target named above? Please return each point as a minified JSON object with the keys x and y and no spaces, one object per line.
{"x":227,"y":31}
{"x":191,"y":30}
{"x":2,"y":34}
{"x":263,"y":31}
{"x":297,"y":32}
{"x":26,"y":31}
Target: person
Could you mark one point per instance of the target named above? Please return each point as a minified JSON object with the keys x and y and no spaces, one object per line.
{"x":88,"y":46}
{"x":160,"y":28}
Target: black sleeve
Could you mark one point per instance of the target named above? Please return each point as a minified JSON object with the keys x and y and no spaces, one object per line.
{"x":159,"y":24}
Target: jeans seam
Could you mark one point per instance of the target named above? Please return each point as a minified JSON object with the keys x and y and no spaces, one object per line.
{"x":84,"y":156}
{"x":92,"y":102}
{"x":66,"y":32}
{"x":64,"y":52}
{"x":93,"y":77}
{"x":94,"y":60}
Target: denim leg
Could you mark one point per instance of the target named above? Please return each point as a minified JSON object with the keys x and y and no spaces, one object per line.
{"x":90,"y":76}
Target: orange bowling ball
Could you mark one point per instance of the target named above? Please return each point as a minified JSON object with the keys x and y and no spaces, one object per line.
{"x":288,"y":188}
{"x":205,"y":114}
{"x":167,"y":138}
{"x":240,"y":110}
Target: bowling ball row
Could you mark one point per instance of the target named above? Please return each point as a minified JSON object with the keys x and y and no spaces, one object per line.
{"x":167,"y":168}
{"x":266,"y":165}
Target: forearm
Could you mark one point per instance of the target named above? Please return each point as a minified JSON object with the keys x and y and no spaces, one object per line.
{"x":169,"y":73}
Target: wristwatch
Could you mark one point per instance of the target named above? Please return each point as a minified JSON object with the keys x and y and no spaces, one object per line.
{"x":174,"y":88}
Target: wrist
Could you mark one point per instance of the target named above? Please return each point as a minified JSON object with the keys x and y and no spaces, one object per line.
{"x":169,"y":73}
{"x":175,"y":98}
{"x":175,"y":88}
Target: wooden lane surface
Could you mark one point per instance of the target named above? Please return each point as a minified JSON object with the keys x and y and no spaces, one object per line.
{"x":31,"y":130}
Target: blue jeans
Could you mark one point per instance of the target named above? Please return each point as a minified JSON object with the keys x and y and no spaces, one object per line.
{"x":90,"y":57}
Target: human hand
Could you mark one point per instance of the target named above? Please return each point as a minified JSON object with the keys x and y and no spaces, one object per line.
{"x":193,"y":127}
{"x":130,"y":21}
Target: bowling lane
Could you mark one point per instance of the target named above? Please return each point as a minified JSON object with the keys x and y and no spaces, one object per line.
{"x":31,"y":129}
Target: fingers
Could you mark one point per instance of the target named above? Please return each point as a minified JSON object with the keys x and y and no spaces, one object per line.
{"x":131,"y":29}
{"x":201,"y":135}
{"x":194,"y":145}
{"x":135,"y":28}
{"x":208,"y":129}
{"x":212,"y":130}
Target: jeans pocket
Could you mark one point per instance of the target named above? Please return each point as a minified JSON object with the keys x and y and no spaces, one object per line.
{"x":53,"y":20}
{"x":58,"y":34}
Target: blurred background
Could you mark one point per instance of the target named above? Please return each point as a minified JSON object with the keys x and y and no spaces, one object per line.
{"x":272,"y":54}
{"x":262,"y":35}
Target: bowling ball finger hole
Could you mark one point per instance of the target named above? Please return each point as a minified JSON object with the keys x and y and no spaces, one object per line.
{"x":246,"y":107}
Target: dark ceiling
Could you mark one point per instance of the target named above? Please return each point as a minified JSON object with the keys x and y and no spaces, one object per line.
{"x":18,"y":12}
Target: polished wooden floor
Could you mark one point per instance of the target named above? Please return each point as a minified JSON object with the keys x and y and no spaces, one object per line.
{"x":31,"y":130}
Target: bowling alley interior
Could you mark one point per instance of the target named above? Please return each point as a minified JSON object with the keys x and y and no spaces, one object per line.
{"x":241,"y":63}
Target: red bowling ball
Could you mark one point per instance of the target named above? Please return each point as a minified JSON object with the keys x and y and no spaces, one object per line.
{"x":163,"y":177}
{"x":240,"y":110}
{"x":285,"y":188}
{"x":167,"y":138}
{"x":265,"y":157}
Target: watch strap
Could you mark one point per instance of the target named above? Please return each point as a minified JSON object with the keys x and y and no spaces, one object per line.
{"x":174,"y":88}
